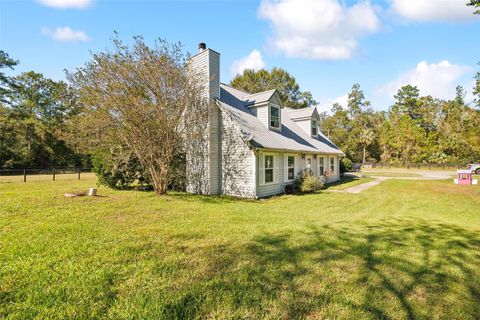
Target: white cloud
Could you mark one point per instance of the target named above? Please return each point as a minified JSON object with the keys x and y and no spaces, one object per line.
{"x":436,"y":79}
{"x":318,"y":29}
{"x":326,"y":105}
{"x":66,"y":4}
{"x":253,"y":61}
{"x":66,"y":34}
{"x":429,"y":10}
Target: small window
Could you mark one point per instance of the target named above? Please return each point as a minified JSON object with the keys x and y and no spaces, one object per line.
{"x":291,"y":167}
{"x":314,"y":128}
{"x":274,"y":117}
{"x":321,"y":169}
{"x":268,"y":169}
{"x":332,"y":165}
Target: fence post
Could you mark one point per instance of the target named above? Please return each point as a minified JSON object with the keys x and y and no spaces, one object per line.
{"x":53,"y":174}
{"x":78,"y":173}
{"x":24,"y":175}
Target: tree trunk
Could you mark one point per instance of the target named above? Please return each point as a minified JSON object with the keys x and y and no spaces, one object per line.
{"x":364,"y":152}
{"x":159,"y":181}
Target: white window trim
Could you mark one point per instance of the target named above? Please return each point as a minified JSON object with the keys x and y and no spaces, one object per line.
{"x":311,"y":127}
{"x":333,"y":172}
{"x":286,"y":167}
{"x":261,"y":175}
{"x":270,"y":106}
{"x":319,"y":160}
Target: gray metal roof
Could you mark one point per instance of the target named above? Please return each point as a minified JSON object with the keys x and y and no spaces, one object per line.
{"x":303,"y":113}
{"x":290,"y":138}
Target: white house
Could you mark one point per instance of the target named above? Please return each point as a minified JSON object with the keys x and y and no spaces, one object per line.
{"x":255,"y":145}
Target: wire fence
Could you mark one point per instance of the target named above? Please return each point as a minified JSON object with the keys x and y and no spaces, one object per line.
{"x":42,"y":174}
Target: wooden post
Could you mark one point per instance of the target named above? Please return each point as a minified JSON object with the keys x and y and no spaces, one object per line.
{"x":78,"y":174}
{"x":24,"y":175}
{"x":53,"y":174}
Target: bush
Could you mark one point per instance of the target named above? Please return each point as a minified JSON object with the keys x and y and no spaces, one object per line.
{"x":345,"y":165}
{"x":119,"y":170}
{"x":307,"y":182}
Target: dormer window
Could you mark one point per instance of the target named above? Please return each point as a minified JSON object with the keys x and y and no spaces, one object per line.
{"x":274,"y":117}
{"x":314,"y":128}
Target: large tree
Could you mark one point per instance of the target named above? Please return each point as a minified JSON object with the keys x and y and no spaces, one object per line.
{"x":476,"y":4}
{"x":6,"y":83}
{"x":256,"y":81}
{"x":476,"y":89}
{"x":136,"y":97}
{"x":34,"y":120}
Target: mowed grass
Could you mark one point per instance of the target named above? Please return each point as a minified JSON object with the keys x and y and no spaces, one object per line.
{"x":400,"y":250}
{"x":347,"y":181}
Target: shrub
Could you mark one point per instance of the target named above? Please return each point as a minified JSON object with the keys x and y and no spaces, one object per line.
{"x":345,"y":165}
{"x":307,"y":182}
{"x":119,"y":170}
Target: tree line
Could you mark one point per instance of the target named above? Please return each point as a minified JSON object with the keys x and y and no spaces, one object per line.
{"x":415,"y":129}
{"x":34,"y":115}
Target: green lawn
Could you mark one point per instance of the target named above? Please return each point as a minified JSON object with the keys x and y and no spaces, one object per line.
{"x":400,"y":250}
{"x":347,"y":181}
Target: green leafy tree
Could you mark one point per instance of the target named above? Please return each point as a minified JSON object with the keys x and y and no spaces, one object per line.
{"x":356,"y":101}
{"x":476,"y":4}
{"x":6,"y":83}
{"x":279,"y":79}
{"x":407,"y":101}
{"x":476,"y":89}
{"x":37,"y":111}
{"x":366,"y":138}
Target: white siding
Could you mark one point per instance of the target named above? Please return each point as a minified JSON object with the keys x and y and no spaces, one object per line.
{"x":238,"y":162}
{"x":305,"y":125}
{"x":265,"y":190}
{"x":262,"y":114}
{"x":206,"y":66}
{"x":336,"y":176}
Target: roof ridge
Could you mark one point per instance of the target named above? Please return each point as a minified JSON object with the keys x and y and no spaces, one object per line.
{"x":262,"y":92}
{"x":239,"y":90}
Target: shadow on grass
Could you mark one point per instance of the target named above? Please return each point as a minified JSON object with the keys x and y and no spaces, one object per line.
{"x":400,"y":269}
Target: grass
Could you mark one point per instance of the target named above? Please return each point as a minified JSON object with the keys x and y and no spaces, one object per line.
{"x":347,"y":181}
{"x":400,"y":250}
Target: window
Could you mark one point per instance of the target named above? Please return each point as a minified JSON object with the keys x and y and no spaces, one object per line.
{"x":321,"y":166}
{"x":274,"y":117}
{"x":332,"y":165}
{"x":314,"y":128}
{"x":268,"y":169}
{"x":290,"y":167}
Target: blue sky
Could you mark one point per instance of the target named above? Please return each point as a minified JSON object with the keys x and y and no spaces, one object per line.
{"x":326,"y":44}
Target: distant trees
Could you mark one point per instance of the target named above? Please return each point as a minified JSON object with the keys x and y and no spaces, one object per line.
{"x":354,"y":129}
{"x":34,"y":112}
{"x":257,"y":81}
{"x":415,"y":129}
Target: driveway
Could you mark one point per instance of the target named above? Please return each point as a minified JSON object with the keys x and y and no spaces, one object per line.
{"x":422,"y":175}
